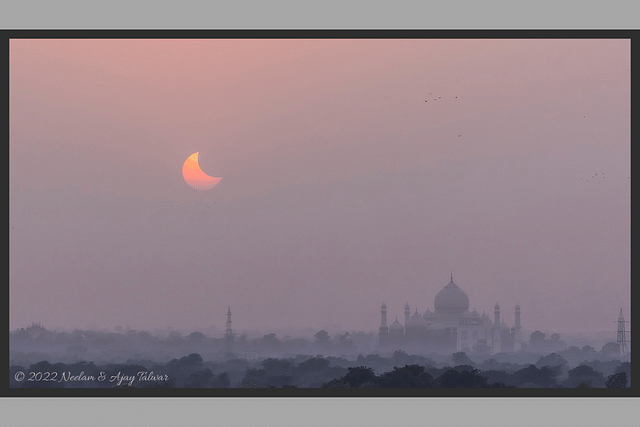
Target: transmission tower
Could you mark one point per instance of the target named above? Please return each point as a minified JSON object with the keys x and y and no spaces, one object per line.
{"x":228,"y":335}
{"x":622,"y":340}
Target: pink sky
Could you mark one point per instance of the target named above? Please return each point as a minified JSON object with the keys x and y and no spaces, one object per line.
{"x":341,"y":188}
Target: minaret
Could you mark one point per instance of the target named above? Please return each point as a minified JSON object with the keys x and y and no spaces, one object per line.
{"x":496,"y":331}
{"x":517,"y":338}
{"x":228,"y":335}
{"x":407,"y":315}
{"x":384,"y":330}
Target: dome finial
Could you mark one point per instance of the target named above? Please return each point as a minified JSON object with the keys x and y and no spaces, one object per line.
{"x":452,"y":276}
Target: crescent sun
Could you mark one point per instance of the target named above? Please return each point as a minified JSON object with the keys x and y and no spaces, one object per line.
{"x":194,"y":176}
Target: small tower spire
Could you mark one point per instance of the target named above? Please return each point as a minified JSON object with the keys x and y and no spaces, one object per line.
{"x":517,"y":337}
{"x":407,"y":314}
{"x":229,"y":333}
{"x":497,"y":347}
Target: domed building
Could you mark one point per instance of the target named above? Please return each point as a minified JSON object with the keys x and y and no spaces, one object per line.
{"x":451,"y":327}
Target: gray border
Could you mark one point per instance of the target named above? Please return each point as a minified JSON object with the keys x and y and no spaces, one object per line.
{"x":242,"y":14}
{"x":334,"y":14}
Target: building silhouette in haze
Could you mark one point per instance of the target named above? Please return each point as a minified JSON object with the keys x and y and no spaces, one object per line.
{"x":451,"y":327}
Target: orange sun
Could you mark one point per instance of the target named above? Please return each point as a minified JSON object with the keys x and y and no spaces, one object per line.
{"x":194,"y":176}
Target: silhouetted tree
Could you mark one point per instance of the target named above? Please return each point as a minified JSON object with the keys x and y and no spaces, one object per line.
{"x":490,"y":364}
{"x":573,"y":353}
{"x":543,"y":377}
{"x":626,"y":368}
{"x":376,"y":361}
{"x":618,"y":380}
{"x":336,"y":383}
{"x":174,"y":337}
{"x":611,"y":349}
{"x":537,"y":337}
{"x":194,"y":359}
{"x":311,"y":365}
{"x":584,"y":374}
{"x":278,"y":372}
{"x":221,"y":381}
{"x":255,"y":378}
{"x":322,"y":337}
{"x":409,"y":376}
{"x":270,"y":340}
{"x":359,"y":375}
{"x":461,"y":358}
{"x":399,"y":356}
{"x":196,"y":337}
{"x":587,"y":352}
{"x":553,"y":359}
{"x":497,"y":377}
{"x":465,"y":379}
{"x":200,"y":379}
{"x":181,"y":369}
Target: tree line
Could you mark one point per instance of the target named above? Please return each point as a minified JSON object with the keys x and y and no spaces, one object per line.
{"x":305,"y":371}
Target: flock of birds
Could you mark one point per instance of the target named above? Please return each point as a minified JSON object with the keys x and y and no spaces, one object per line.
{"x":594,"y":176}
{"x":598,"y":177}
{"x":459,"y":135}
{"x":435,"y":99}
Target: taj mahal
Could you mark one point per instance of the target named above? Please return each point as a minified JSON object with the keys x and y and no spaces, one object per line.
{"x":451,"y":327}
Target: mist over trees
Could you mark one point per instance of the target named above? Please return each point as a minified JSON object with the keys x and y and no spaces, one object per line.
{"x":194,"y":360}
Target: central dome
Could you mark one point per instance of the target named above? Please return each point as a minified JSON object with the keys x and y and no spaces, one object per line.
{"x":451,"y":298}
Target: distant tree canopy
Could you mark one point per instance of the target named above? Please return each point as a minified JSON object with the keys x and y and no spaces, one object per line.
{"x":625,"y":367}
{"x":221,"y":381}
{"x":461,"y":358}
{"x":618,"y":380}
{"x":465,"y":379}
{"x":200,"y":379}
{"x":359,"y":376}
{"x":391,"y":370}
{"x":409,"y":376}
{"x":611,"y":349}
{"x":588,"y":352}
{"x":305,"y":371}
{"x":553,"y":359}
{"x":322,"y":337}
{"x":313,"y":364}
{"x":544,"y":377}
{"x":196,"y":337}
{"x":584,"y":374}
{"x":270,"y":340}
{"x":274,"y":373}
{"x":537,"y":337}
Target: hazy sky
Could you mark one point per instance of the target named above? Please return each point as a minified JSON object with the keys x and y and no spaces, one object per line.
{"x":341,"y":187}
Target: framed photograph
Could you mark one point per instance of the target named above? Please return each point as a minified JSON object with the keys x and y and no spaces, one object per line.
{"x":319,"y":213}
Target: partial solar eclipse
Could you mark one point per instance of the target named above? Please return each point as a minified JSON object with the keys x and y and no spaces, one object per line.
{"x":194,"y":176}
